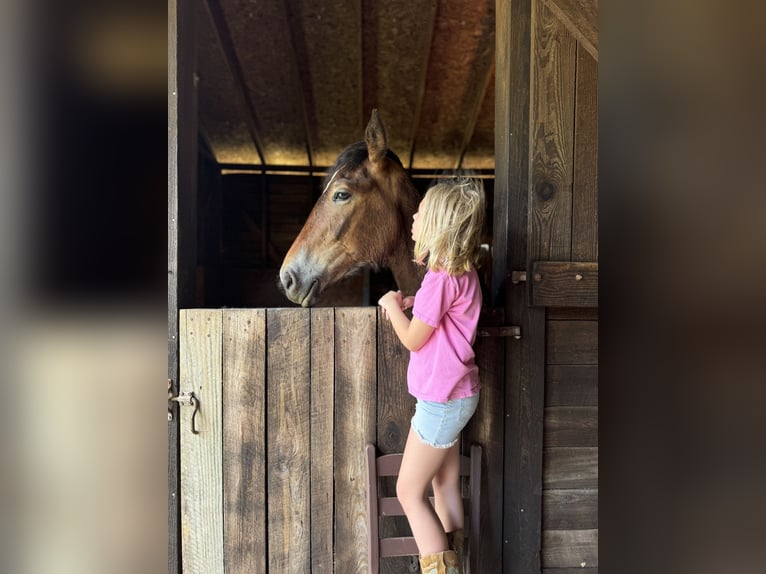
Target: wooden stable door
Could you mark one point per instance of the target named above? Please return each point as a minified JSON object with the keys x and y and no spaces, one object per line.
{"x":273,"y":458}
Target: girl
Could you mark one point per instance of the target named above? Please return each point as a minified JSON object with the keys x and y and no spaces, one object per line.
{"x":442,"y":375}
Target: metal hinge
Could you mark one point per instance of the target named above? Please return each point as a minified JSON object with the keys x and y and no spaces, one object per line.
{"x":184,"y":399}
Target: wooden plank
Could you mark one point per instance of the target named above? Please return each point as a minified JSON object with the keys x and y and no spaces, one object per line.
{"x":288,"y":440}
{"x":486,"y":429}
{"x":244,"y":441}
{"x":395,"y":409}
{"x":570,"y":468}
{"x":585,"y":185}
{"x":571,"y":385}
{"x":509,"y":248}
{"x":570,"y":426}
{"x":577,"y":570}
{"x":580,"y":17}
{"x":201,"y":456}
{"x":355,"y":398}
{"x":572,"y":313}
{"x":322,"y":427}
{"x":564,"y":284}
{"x":182,"y":157}
{"x":552,"y":121}
{"x":570,"y":509}
{"x":570,"y":548}
{"x":572,"y":342}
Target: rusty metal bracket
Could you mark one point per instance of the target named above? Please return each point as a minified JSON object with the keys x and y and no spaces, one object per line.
{"x":518,"y":277}
{"x":184,"y":399}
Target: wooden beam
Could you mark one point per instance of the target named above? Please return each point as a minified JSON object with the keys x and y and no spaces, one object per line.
{"x":227,"y":46}
{"x":564,"y":284}
{"x":182,"y":228}
{"x":580,"y":17}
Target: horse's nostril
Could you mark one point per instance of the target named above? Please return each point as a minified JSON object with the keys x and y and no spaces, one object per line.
{"x":287,"y":279}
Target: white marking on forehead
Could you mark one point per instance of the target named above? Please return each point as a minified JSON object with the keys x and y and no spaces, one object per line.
{"x":326,"y":187}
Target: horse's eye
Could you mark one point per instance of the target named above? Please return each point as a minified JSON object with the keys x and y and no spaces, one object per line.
{"x":341,"y":196}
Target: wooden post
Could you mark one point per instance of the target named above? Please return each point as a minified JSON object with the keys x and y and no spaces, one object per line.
{"x":182,"y":228}
{"x":524,"y":358}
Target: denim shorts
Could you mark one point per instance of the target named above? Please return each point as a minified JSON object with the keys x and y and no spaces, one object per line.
{"x":439,"y":424}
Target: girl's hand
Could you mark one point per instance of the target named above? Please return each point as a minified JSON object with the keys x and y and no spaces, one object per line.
{"x":408,"y":302}
{"x":389,"y":301}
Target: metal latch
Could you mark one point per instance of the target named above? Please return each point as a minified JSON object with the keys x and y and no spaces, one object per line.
{"x":184,"y":399}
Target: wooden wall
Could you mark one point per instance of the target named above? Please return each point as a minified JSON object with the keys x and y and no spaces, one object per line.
{"x":275,"y":478}
{"x":562,"y":277}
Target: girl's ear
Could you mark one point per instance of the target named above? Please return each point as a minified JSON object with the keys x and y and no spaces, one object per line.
{"x":375,"y":138}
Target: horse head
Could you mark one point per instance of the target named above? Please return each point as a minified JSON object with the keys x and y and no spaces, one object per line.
{"x":362,"y":220}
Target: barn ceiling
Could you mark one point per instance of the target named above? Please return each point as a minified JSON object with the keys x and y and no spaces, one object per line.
{"x":292,"y":82}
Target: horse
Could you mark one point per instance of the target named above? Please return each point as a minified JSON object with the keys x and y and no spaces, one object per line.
{"x":362,"y":220}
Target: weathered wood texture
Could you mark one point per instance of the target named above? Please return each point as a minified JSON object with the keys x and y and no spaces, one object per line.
{"x":244,"y":443}
{"x":182,"y":157}
{"x":564,"y":284}
{"x":355,"y":403}
{"x":553,"y":67}
{"x":201,"y":454}
{"x":275,"y":479}
{"x":287,"y":432}
{"x":395,"y":409}
{"x":585,"y":190}
{"x":322,"y":430}
{"x":581,"y":19}
{"x":486,"y":428}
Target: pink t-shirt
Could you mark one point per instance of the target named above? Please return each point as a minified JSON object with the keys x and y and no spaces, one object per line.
{"x":443,"y":368}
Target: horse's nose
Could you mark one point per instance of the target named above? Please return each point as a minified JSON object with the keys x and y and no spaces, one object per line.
{"x":288,"y":279}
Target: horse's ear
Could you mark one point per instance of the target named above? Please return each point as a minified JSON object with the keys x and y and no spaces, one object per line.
{"x":375,"y":138}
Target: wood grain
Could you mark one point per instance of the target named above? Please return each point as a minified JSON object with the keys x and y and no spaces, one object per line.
{"x":552,"y":121}
{"x":581,"y":19}
{"x":288,"y":440}
{"x":571,"y":385}
{"x":570,"y":509}
{"x":570,"y":468}
{"x":201,"y":471}
{"x":571,"y":426}
{"x":572,"y":343}
{"x":564,"y":284}
{"x":322,"y":430}
{"x":585,"y":185}
{"x":395,"y":409}
{"x":244,"y":441}
{"x":570,"y":548}
{"x":355,"y":374}
{"x":486,"y":429}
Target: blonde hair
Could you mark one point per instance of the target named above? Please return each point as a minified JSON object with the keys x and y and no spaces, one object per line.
{"x":451,"y":222}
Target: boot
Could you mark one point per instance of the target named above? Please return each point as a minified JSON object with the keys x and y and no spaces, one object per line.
{"x":440,"y":563}
{"x":456,"y":541}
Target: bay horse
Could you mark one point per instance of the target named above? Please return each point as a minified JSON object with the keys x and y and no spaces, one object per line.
{"x":362,"y":220}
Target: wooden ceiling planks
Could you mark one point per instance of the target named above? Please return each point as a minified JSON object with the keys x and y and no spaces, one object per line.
{"x":260,"y":35}
{"x":222,"y":112}
{"x":296,"y":80}
{"x":396,"y":49}
{"x":327,"y":37}
{"x":462,"y":53}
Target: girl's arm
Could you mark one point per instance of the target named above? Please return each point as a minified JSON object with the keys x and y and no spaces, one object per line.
{"x":413,"y":334}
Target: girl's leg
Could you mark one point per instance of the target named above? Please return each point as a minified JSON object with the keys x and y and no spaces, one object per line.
{"x":446,"y":484}
{"x":420,"y":464}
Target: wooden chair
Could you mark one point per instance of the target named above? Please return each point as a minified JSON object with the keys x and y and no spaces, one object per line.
{"x":377,"y":508}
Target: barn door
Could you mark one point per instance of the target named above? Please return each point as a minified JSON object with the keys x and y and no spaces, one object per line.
{"x":277,"y":408}
{"x":546,"y":230}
